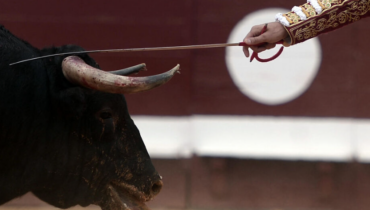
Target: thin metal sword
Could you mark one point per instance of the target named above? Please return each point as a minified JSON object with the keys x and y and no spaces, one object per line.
{"x":189,"y":47}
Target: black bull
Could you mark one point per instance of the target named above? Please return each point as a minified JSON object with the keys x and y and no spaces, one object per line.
{"x":68,"y":144}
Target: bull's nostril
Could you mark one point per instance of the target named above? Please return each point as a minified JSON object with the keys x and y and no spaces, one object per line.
{"x":156,"y":188}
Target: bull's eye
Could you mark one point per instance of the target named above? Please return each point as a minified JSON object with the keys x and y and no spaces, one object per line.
{"x":105,"y":115}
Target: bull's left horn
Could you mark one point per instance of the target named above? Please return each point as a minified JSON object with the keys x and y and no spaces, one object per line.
{"x":78,"y":72}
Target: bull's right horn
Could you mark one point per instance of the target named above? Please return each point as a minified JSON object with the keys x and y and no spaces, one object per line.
{"x":130,"y":70}
{"x":78,"y":72}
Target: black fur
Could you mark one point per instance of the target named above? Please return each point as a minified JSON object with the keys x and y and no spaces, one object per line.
{"x":63,"y":142}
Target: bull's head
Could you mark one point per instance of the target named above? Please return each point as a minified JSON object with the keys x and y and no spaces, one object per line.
{"x":107,"y":163}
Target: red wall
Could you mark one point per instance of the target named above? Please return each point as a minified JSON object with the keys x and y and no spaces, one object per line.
{"x":341,"y":89}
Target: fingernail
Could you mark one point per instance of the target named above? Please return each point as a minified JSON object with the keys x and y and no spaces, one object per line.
{"x":249,"y":41}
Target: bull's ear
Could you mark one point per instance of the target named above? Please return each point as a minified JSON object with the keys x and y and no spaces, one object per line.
{"x":71,"y":102}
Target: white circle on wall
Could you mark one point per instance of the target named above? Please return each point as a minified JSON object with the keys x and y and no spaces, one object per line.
{"x":278,"y":81}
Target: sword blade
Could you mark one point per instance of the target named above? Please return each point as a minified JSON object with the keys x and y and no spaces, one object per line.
{"x":187,"y":47}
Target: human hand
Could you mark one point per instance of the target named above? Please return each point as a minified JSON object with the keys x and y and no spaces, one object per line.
{"x":275,"y":32}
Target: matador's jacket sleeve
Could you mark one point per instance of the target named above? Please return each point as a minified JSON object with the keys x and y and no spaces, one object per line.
{"x":321,"y":16}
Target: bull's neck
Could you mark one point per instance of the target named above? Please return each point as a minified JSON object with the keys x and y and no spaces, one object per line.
{"x":24,"y":104}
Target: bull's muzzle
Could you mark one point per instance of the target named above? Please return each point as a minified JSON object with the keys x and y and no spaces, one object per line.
{"x":156,"y":188}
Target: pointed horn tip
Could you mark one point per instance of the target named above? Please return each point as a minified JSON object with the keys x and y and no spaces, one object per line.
{"x":143,"y":68}
{"x":177,"y":69}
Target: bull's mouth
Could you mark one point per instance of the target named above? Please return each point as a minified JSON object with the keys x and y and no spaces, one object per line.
{"x":124,"y":197}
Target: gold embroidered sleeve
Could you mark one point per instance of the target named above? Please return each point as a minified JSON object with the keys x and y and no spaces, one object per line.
{"x":322,"y":16}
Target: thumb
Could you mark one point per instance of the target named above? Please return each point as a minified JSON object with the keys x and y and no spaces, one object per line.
{"x":256,"y":40}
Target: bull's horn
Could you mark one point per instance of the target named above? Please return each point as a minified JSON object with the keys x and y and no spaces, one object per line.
{"x":130,"y":70}
{"x":78,"y":72}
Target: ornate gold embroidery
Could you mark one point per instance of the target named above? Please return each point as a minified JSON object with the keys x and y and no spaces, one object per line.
{"x":356,"y":10}
{"x":288,"y":19}
{"x":304,"y":11}
{"x":310,"y":10}
{"x":353,"y":13}
{"x":294,"y":18}
{"x":322,"y":6}
{"x":329,"y":3}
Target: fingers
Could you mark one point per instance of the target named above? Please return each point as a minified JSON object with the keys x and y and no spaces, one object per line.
{"x":260,"y":42}
{"x":251,"y":38}
{"x":275,"y":32}
{"x":258,"y":49}
{"x":263,"y":47}
{"x":246,"y":51}
{"x":254,"y":37}
{"x":256,"y":40}
{"x":270,"y":45}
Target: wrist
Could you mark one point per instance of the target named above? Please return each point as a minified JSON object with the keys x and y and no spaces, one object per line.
{"x":287,"y":40}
